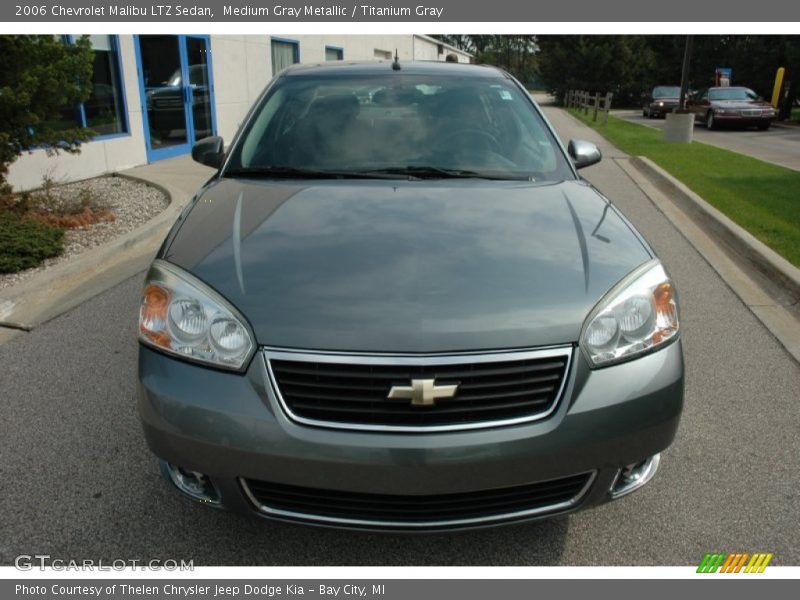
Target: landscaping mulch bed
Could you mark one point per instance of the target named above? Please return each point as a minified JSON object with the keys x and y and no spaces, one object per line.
{"x":130,"y":204}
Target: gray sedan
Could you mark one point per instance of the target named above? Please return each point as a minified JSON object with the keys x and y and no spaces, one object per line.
{"x":398,"y":306}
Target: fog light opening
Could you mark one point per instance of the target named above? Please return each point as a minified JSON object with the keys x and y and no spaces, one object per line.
{"x":196,"y":486}
{"x":632,"y":477}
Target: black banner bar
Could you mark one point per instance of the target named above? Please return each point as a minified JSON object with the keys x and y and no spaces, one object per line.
{"x":458,"y":11}
{"x":729,"y":587}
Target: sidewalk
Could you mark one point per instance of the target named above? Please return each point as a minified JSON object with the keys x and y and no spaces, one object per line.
{"x":57,"y":290}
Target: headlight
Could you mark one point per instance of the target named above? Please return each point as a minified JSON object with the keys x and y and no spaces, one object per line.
{"x":637,"y":316}
{"x":182,"y":316}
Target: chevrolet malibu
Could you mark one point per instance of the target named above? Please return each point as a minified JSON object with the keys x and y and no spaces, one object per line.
{"x":397,"y":306}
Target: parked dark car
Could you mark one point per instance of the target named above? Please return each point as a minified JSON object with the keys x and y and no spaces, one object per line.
{"x":397,"y":306}
{"x":731,"y":106}
{"x":661,"y":100}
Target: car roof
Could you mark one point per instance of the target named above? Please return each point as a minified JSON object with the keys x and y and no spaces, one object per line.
{"x":337,"y":68}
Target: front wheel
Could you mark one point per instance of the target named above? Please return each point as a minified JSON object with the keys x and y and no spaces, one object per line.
{"x":711,"y":122}
{"x":763,"y":126}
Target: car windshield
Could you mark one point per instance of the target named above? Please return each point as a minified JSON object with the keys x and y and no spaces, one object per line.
{"x":733,"y":93}
{"x":666,"y":92}
{"x":398,"y":124}
{"x":197,"y":76}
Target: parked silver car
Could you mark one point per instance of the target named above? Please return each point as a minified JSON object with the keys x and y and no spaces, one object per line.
{"x":397,"y":305}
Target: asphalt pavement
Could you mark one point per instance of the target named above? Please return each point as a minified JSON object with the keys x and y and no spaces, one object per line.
{"x":78,"y":481}
{"x":779,"y":145}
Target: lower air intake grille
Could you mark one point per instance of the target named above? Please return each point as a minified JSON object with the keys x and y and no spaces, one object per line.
{"x":379,"y":510}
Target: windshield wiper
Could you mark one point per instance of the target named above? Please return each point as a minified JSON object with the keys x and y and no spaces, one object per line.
{"x":407,"y":172}
{"x":286,"y":172}
{"x":426,"y":171}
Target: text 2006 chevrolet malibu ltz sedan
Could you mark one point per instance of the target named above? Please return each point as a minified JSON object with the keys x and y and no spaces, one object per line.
{"x":396,"y":305}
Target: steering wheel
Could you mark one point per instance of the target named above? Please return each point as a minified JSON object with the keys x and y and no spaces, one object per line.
{"x":484,"y":138}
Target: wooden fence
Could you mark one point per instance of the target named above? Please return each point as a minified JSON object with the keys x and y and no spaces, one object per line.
{"x":597,"y":102}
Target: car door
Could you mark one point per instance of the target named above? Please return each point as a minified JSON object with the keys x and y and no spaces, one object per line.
{"x":699,"y":106}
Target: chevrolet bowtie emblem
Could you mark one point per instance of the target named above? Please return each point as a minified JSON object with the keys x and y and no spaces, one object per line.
{"x":422,"y":392}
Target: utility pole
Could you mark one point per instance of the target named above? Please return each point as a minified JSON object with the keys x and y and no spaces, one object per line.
{"x":687,"y":54}
{"x":679,"y":128}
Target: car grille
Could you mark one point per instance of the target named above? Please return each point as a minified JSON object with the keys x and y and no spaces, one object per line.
{"x":352,"y":391}
{"x":168,"y":102}
{"x":430,"y":511}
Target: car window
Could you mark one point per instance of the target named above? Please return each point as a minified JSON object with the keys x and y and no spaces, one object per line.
{"x":733,"y":93}
{"x":174,"y":79}
{"x":400,"y":120}
{"x":197,"y":74}
{"x":666,"y":92}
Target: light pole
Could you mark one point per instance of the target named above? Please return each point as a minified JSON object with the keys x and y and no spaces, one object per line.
{"x":687,"y":54}
{"x":679,"y":127}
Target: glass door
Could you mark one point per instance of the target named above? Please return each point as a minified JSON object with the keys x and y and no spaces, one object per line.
{"x":198,"y":55}
{"x":175,"y":83}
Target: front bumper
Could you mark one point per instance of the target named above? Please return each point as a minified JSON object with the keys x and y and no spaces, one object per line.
{"x":658,"y":110}
{"x":742,"y":120}
{"x":231,"y":428}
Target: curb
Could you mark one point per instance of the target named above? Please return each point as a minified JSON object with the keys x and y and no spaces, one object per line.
{"x":65,"y":286}
{"x":758,"y":255}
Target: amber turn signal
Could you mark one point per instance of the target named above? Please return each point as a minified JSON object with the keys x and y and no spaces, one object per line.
{"x":153,"y":315}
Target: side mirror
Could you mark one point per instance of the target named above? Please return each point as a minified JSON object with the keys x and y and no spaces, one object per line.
{"x":209,"y":151}
{"x":583,"y":153}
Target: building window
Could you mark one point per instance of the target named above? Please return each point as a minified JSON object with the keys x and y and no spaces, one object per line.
{"x":333,"y":53}
{"x":383,"y":54}
{"x":284,"y":53}
{"x":104,"y":110}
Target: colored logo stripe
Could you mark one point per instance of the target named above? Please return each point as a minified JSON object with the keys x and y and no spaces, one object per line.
{"x":733,"y":563}
{"x":711,"y":562}
{"x":758,"y":563}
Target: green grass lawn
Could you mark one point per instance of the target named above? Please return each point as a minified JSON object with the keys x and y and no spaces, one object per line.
{"x":761,"y":197}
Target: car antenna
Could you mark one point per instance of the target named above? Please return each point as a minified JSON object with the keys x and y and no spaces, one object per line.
{"x":396,"y":63}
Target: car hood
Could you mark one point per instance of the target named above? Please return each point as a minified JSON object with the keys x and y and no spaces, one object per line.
{"x":407,"y":266}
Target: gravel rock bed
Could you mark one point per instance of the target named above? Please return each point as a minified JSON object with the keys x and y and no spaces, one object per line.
{"x":133,"y":204}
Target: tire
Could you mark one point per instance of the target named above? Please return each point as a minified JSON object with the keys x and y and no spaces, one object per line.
{"x":711,"y":122}
{"x":645,"y":114}
{"x":763,"y":126}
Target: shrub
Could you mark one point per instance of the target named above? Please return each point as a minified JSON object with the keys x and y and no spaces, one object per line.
{"x":25,"y":243}
{"x":40,"y":77}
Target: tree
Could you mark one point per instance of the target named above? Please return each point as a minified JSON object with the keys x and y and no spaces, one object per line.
{"x":460,"y":41}
{"x":40,"y":78}
{"x":621,"y":64}
{"x":628,"y":65}
{"x":514,"y":53}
